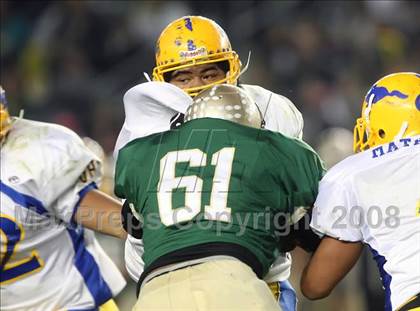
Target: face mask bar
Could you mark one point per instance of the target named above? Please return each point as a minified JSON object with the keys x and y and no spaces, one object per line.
{"x":231,"y":76}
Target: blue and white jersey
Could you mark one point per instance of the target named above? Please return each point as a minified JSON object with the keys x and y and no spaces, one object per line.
{"x":47,"y":262}
{"x":374,"y":197}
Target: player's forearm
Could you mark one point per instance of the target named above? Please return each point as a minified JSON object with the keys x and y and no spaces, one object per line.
{"x":310,"y":287}
{"x":102,"y":213}
{"x":328,"y":266}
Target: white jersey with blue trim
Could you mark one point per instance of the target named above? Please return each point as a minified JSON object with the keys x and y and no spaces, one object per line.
{"x":150,"y":107}
{"x":47,"y":262}
{"x":374,"y":197}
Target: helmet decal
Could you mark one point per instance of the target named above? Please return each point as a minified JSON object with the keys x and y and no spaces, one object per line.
{"x":193,"y":53}
{"x":381,"y":92}
{"x":191,"y":45}
{"x":188,"y":24}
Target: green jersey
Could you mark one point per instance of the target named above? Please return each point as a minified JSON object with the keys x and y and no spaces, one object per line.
{"x":212,"y":180}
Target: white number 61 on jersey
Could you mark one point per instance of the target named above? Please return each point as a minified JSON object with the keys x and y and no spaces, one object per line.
{"x":217,"y":210}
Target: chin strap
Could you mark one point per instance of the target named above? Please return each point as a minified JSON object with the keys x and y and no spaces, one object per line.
{"x":367,"y":111}
{"x":246,"y":65}
{"x":260,"y":112}
{"x":369,"y":107}
{"x":146,"y":75}
{"x":401,"y":133}
{"x":21,"y":113}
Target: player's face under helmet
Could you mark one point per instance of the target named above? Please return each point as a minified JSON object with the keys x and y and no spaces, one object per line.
{"x":194,"y":40}
{"x":391,"y":109}
{"x":228,"y":102}
{"x":4,"y":114}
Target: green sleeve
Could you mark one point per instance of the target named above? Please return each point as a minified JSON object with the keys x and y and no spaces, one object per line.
{"x":306,"y":175}
{"x":296,"y":169}
{"x":121,"y":179}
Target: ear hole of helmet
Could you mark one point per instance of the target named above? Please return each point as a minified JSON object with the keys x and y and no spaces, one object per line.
{"x":381,"y":133}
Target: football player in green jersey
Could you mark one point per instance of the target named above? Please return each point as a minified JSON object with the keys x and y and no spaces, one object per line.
{"x":194,"y":53}
{"x":213,"y":197}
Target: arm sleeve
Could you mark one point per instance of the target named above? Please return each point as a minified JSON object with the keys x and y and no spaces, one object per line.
{"x":122,"y":178}
{"x":149,"y":108}
{"x":332,"y":214}
{"x":72,"y":170}
{"x":280,"y":114}
{"x":303,"y":174}
{"x":289,"y":180}
{"x":297,"y":173}
{"x":133,"y":252}
{"x":283,"y":116}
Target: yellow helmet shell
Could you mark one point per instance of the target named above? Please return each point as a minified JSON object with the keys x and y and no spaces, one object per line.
{"x":5,"y":120}
{"x":194,"y":40}
{"x":391,"y":109}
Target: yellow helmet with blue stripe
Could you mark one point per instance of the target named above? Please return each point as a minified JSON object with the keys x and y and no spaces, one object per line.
{"x":194,"y":40}
{"x":391,"y":109}
{"x":5,"y":120}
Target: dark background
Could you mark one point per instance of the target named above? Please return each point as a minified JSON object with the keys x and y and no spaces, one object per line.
{"x":71,"y":62}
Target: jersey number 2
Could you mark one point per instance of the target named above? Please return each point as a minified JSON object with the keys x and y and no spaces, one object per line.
{"x":217,"y":210}
{"x":11,"y":234}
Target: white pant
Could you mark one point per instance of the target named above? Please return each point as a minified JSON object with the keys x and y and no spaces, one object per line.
{"x":222,"y":284}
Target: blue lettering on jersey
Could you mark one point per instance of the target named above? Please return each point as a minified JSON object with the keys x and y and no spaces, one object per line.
{"x":405,"y":141}
{"x":376,"y":150}
{"x":381,"y":92}
{"x":188,"y":24}
{"x":392,"y":146}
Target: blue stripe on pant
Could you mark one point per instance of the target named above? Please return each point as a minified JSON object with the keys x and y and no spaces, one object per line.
{"x":287,"y":300}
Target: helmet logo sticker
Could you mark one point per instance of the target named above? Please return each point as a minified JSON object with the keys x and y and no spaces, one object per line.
{"x":191,"y":46}
{"x":190,"y":54}
{"x":178,"y":41}
{"x":188,"y":24}
{"x":381,"y":92}
{"x":418,"y":102}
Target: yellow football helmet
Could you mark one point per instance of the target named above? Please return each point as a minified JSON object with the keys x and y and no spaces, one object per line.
{"x":194,"y":40}
{"x":5,"y":120}
{"x":391,"y":109}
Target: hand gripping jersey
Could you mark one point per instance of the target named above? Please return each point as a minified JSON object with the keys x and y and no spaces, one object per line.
{"x":150,"y":107}
{"x":374,"y":197}
{"x":214,"y":181}
{"x":47,"y":262}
